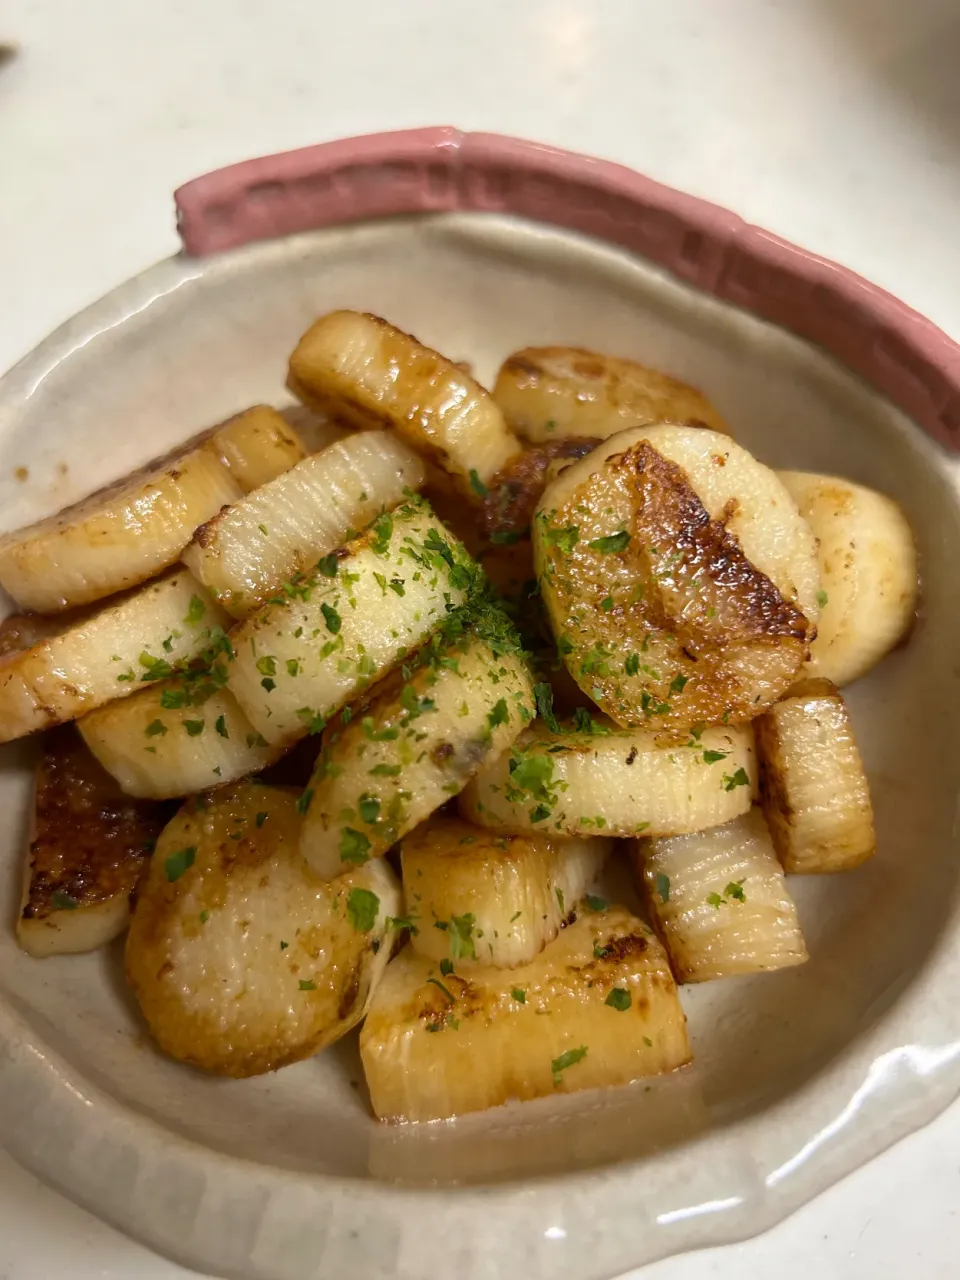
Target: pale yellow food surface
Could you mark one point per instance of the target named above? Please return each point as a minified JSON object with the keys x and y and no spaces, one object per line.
{"x":720,"y":902}
{"x":52,"y":670}
{"x":247,"y":551}
{"x":474,"y":896}
{"x":241,"y":961}
{"x":367,"y":372}
{"x":437,"y":1045}
{"x":623,"y":782}
{"x":868,"y":569}
{"x":549,"y":392}
{"x":812,"y":782}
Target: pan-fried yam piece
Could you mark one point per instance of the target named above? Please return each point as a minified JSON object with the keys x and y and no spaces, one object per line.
{"x":549,"y":392}
{"x":160,"y":743}
{"x":243,"y":962}
{"x":512,"y":497}
{"x":364,"y":371}
{"x":812,"y":784}
{"x":680,"y":578}
{"x":598,"y":1007}
{"x":475,"y":897}
{"x":131,"y":530}
{"x":55,"y":669}
{"x":719,"y":901}
{"x":868,"y":567}
{"x":299,"y":661}
{"x":417,"y":743}
{"x":614,"y":781}
{"x":247,"y":551}
{"x":88,"y":845}
{"x":257,"y":445}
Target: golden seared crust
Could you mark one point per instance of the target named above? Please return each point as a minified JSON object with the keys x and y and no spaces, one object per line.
{"x":697,"y":574}
{"x":90,"y":842}
{"x":666,"y":622}
{"x":516,"y":489}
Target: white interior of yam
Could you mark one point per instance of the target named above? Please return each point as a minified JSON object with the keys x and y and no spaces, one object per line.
{"x":191,"y":342}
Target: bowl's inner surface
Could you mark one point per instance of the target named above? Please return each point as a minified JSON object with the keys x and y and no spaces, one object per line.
{"x":216,"y":338}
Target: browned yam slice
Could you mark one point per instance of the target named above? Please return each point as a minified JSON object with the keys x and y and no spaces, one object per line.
{"x":662,"y":618}
{"x":88,"y":844}
{"x":549,"y":392}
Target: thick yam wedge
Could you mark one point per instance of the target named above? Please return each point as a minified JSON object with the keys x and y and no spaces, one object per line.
{"x":550,"y":392}
{"x":301,"y":659}
{"x":680,"y":579}
{"x":598,"y":1007}
{"x":618,"y":782}
{"x":868,"y":568}
{"x":125,"y":533}
{"x":247,"y":551}
{"x":416,"y":743}
{"x":476,"y":897}
{"x":56,"y":669}
{"x":812,"y":784}
{"x":88,"y":846}
{"x":161,"y":743}
{"x":241,"y":961}
{"x":719,"y":901}
{"x":364,"y":371}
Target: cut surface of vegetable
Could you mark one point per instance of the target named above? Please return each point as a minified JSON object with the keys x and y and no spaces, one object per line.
{"x":547,"y":392}
{"x":299,"y":661}
{"x":868,"y":568}
{"x":247,"y":551}
{"x":363,"y":370}
{"x":680,"y":579}
{"x":241,"y":961}
{"x":719,"y":901}
{"x":614,"y":782}
{"x":417,"y":743}
{"x":55,"y":669}
{"x":813,"y":787}
{"x":131,"y":530}
{"x":257,"y":445}
{"x":87,"y":848}
{"x":475,"y":897}
{"x":161,"y":743}
{"x":598,"y":1007}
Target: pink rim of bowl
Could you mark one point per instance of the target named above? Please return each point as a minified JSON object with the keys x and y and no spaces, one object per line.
{"x":442,"y":170}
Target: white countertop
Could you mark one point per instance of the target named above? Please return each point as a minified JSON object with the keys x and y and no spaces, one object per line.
{"x":835,"y":123}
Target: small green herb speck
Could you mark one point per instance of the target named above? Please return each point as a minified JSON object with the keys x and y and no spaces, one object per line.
{"x":179,"y":862}
{"x":611,"y":543}
{"x":362,"y":909}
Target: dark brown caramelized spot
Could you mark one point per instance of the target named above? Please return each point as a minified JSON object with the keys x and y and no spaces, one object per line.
{"x":350,"y":993}
{"x":204,"y":534}
{"x":89,"y":840}
{"x":515,"y":490}
{"x":526,"y":371}
{"x":705,"y":585}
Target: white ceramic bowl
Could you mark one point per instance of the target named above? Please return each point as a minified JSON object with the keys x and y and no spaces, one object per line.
{"x":799,"y":1077}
